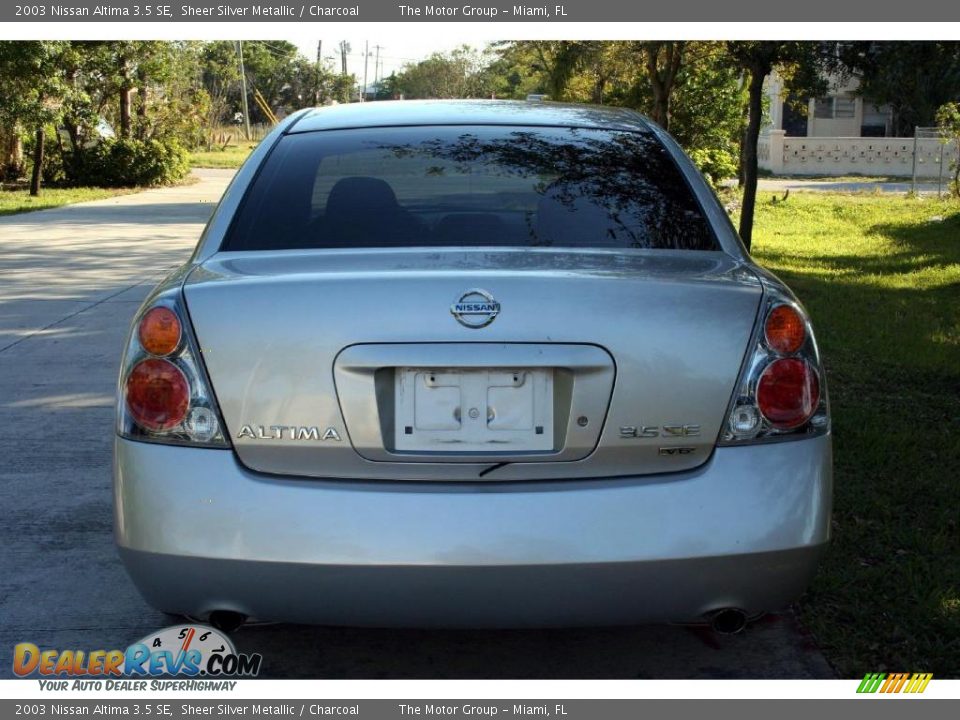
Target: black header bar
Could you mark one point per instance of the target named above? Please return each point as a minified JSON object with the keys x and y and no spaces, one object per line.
{"x":485,"y":11}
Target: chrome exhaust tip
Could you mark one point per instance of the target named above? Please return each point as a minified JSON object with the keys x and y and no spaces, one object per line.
{"x":728,"y":621}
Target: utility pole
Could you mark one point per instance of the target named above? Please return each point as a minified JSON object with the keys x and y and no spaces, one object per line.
{"x":243,"y":85}
{"x":316,"y":91}
{"x":344,"y":49}
{"x":366,"y":58}
{"x":376,"y":69}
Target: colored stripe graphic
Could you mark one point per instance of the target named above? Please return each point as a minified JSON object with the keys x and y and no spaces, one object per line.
{"x":894,"y":683}
{"x":918,"y":683}
{"x":871,"y":682}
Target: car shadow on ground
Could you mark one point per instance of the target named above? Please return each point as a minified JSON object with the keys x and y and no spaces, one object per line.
{"x":772,"y":647}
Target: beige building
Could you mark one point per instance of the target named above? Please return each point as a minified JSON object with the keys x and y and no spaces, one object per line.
{"x":843,"y":134}
{"x":841,"y":113}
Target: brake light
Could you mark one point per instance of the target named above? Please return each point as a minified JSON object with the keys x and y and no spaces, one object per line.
{"x":157,"y":394}
{"x":164,"y":393}
{"x":788,"y":393}
{"x":780,"y":392}
{"x":160,"y":331}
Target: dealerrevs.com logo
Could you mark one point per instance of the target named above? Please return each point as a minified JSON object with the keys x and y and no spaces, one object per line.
{"x":191,"y":651}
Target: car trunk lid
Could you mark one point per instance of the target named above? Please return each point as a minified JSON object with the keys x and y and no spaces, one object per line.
{"x":353,"y":363}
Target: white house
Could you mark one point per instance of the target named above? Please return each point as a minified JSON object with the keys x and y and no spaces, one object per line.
{"x":843,"y":134}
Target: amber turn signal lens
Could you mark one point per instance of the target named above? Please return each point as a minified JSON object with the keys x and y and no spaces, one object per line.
{"x":157,"y":394}
{"x":785,"y":330}
{"x":160,"y":331}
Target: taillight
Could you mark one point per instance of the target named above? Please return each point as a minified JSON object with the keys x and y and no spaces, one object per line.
{"x":784,"y":329}
{"x":780,"y":393}
{"x":164,"y":393}
{"x":788,"y":393}
{"x":160,"y":331}
{"x":157,"y":394}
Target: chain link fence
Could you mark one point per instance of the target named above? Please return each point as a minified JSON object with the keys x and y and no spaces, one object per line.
{"x":930,"y":145}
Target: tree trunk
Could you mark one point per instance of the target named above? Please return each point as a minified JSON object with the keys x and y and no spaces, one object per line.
{"x":11,"y":167}
{"x":744,"y":121}
{"x":125,"y":111}
{"x":750,"y":141}
{"x":141,"y":132}
{"x":141,"y":113}
{"x":660,"y":96}
{"x":662,"y":82}
{"x":37,"y":163}
{"x":73,"y":132}
{"x":661,"y":112}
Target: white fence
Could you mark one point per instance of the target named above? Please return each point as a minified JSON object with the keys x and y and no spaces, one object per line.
{"x":828,"y":156}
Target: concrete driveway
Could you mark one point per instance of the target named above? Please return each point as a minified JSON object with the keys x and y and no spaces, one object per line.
{"x":70,"y":281}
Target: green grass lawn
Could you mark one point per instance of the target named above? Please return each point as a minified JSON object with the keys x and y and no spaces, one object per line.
{"x":230,"y":157}
{"x":19,"y":200}
{"x":881,"y":279}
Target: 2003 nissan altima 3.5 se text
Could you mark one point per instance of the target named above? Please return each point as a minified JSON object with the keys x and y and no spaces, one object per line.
{"x":471,"y":363}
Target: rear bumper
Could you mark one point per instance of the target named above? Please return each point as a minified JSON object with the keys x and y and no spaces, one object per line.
{"x":199,"y":532}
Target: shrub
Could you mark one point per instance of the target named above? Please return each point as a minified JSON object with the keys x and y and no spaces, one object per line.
{"x":54,"y":172}
{"x":129,"y":163}
{"x":716,"y":164}
{"x":948,"y":120}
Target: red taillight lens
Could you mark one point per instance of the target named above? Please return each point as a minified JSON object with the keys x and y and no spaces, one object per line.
{"x":785,"y":330}
{"x":160,"y":331}
{"x":157,"y":394}
{"x":788,"y":393}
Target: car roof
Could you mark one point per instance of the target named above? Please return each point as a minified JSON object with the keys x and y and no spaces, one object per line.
{"x":393,"y":113}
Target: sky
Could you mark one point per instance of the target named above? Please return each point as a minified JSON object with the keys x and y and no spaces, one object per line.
{"x":395,"y":51}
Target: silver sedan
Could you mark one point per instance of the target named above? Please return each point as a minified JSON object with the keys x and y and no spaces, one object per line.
{"x":471,"y":364}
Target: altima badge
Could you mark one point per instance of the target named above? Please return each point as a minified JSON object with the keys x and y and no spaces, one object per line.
{"x":287,"y":432}
{"x":475,"y":309}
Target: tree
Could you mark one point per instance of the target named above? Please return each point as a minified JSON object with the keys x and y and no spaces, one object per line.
{"x":457,"y":74}
{"x":948,"y":120}
{"x":801,"y":65}
{"x":31,"y":92}
{"x":553,"y":63}
{"x":707,"y":110}
{"x":271,"y":69}
{"x":220,"y":75}
{"x":914,"y":78}
{"x":286,"y":79}
{"x":663,"y":60}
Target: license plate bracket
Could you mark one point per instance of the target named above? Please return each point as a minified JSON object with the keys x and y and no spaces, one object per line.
{"x":474,"y":410}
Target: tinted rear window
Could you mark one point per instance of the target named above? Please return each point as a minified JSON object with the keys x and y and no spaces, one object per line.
{"x":470,"y":186}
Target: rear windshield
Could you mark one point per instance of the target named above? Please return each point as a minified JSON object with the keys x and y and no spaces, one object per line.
{"x":470,"y":186}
